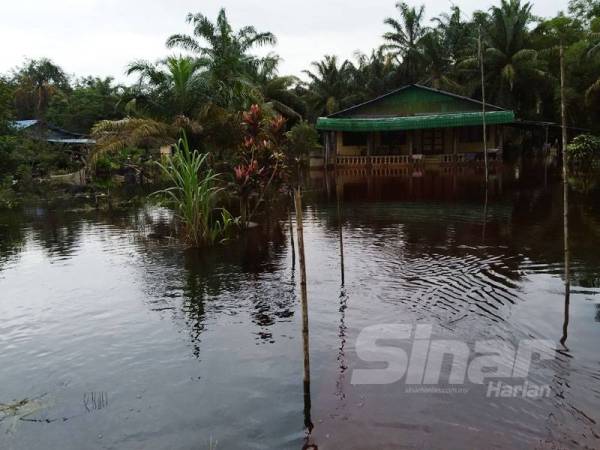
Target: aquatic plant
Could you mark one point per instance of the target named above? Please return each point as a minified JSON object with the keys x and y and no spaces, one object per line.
{"x":194,"y":194}
{"x":19,"y":411}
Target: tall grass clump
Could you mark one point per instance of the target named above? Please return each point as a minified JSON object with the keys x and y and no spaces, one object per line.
{"x":194,"y":194}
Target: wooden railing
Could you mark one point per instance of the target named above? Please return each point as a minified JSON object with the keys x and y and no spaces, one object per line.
{"x":402,"y":160}
{"x":382,"y":160}
{"x":352,"y":160}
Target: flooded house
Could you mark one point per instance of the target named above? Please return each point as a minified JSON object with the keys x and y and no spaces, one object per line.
{"x":413,"y":124}
{"x":76,"y":145}
{"x":38,"y":129}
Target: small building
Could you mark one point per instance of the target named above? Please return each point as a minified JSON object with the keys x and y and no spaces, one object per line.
{"x":37,"y":129}
{"x":413,"y":124}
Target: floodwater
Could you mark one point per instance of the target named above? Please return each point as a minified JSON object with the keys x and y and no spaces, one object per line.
{"x":114,"y":337}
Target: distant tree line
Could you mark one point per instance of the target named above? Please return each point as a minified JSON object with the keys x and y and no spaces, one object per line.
{"x":213,"y":75}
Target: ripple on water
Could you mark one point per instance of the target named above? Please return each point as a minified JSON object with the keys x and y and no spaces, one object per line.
{"x":190,"y":346}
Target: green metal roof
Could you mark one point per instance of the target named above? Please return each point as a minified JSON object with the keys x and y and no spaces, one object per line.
{"x":463,"y":119}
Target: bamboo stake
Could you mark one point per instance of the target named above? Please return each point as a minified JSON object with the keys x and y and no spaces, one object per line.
{"x":341,"y":237}
{"x":563,"y":114}
{"x":565,"y":334}
{"x":293,"y":247}
{"x":343,"y":299}
{"x":304,"y":299}
{"x":485,"y":153}
{"x":300,"y":233}
{"x":485,"y":213}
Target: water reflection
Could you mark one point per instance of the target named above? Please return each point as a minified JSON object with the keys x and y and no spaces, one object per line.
{"x":343,"y":305}
{"x":116,"y":299}
{"x":12,"y":237}
{"x":308,"y":423}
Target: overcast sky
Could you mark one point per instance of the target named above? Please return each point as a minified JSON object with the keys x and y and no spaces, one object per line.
{"x":99,"y":37}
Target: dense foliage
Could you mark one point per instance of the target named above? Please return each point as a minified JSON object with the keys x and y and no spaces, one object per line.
{"x":302,"y":139}
{"x":221,"y":75}
{"x":584,"y":151}
{"x":205,"y":90}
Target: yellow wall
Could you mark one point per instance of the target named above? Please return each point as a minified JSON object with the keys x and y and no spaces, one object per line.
{"x":471,"y":147}
{"x":347,"y":150}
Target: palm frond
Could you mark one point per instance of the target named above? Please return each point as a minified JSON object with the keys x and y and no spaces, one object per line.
{"x":114,"y":135}
{"x":183,"y":41}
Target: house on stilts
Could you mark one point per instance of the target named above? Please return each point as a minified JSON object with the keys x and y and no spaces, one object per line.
{"x":413,"y":124}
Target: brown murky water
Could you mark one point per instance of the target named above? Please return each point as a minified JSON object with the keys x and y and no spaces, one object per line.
{"x":119,"y":339}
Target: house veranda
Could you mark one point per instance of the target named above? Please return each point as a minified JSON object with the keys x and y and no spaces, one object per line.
{"x":410,"y":125}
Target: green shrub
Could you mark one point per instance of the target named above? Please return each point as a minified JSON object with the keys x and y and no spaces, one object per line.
{"x":302,"y":139}
{"x":584,"y":150}
{"x":104,"y":166}
{"x":8,"y":197}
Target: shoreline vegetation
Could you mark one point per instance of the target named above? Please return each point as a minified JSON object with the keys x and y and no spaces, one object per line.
{"x":193,"y":195}
{"x":219,"y":134}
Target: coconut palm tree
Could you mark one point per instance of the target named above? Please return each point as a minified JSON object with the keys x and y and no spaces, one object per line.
{"x":562,"y":40}
{"x":457,"y":34}
{"x":512,"y":67}
{"x":278,"y":92}
{"x":375,"y":75}
{"x":593,"y":92}
{"x":330,"y":85}
{"x":225,"y":54}
{"x":177,"y":81}
{"x":437,"y":63}
{"x":508,"y":56}
{"x":403,"y":40}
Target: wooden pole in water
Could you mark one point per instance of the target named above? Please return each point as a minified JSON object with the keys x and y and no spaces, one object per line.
{"x":300,"y":233}
{"x":304,"y":299}
{"x":341,"y":237}
{"x":293,"y":247}
{"x":565,"y":334}
{"x":563,"y":114}
{"x":485,"y":153}
{"x":485,"y":213}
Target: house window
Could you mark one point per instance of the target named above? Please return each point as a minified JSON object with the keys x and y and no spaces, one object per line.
{"x":354,"y":139}
{"x":393,"y":138}
{"x":471,"y":134}
{"x":433,"y":142}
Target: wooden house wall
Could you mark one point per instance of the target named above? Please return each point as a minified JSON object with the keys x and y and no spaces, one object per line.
{"x":450,"y":136}
{"x":413,"y":101}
